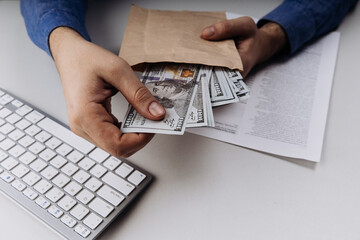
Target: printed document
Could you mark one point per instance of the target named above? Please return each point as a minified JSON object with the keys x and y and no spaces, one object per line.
{"x":287,"y":109}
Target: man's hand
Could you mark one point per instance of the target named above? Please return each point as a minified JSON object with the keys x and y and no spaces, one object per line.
{"x":90,"y":76}
{"x":254,"y":45}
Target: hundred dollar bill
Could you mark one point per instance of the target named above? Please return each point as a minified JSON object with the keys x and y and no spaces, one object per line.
{"x":210,"y":114}
{"x":228,"y":93}
{"x":174,"y":86}
{"x":199,"y":111}
{"x":237,"y":79}
{"x":233,"y":74}
{"x":217,"y":88}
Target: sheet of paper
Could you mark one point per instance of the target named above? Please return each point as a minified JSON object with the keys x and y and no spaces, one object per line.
{"x":286,"y":113}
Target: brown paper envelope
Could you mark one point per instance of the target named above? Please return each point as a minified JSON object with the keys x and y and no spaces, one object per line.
{"x":174,"y":36}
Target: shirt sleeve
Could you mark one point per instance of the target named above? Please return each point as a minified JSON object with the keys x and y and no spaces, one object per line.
{"x":43,"y":16}
{"x":304,"y":20}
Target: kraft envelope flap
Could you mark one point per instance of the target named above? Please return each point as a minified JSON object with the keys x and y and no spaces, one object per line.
{"x":174,"y":36}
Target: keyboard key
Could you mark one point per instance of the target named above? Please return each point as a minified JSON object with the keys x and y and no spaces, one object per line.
{"x":4,"y":112}
{"x":34,"y":116}
{"x":79,"y":212}
{"x":36,"y":147}
{"x":42,"y":136}
{"x":16,"y":151}
{"x":75,"y":156}
{"x":22,"y":124}
{"x":7,"y":177}
{"x":22,"y":111}
{"x":18,"y":185}
{"x":38,"y":165}
{"x":92,"y":221}
{"x":69,"y":169}
{"x":13,"y":118}
{"x":32,"y":130}
{"x":58,"y":161}
{"x":20,"y":170}
{"x":5,"y":99}
{"x":42,"y":202}
{"x":101,"y":207}
{"x":53,"y":143}
{"x":118,"y":183}
{"x":66,"y":203}
{"x":56,"y":212}
{"x":72,"y":188}
{"x":27,"y":158}
{"x":31,"y":178}
{"x":26,"y":141}
{"x":86,"y":163}
{"x":98,"y":171}
{"x":93,"y":184}
{"x":9,"y":163}
{"x":47,"y":154}
{"x":61,"y":180}
{"x":69,"y":221}
{"x":54,"y":194}
{"x":64,"y":149}
{"x":112,"y":163}
{"x":83,"y":231}
{"x":81,"y":176}
{"x":30,"y":193}
{"x":42,"y":186}
{"x":17,"y":103}
{"x":124,"y":170}
{"x":67,"y":136}
{"x":110,"y":195}
{"x":16,"y":134}
{"x":6,"y":128}
{"x":85,"y":196}
{"x":99,"y":155}
{"x":3,"y":155}
{"x":7,"y":144}
{"x":49,"y":172}
{"x":136,"y":177}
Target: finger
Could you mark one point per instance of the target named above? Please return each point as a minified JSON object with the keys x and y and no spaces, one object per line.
{"x":99,"y":126}
{"x":131,"y":153}
{"x":121,"y":76}
{"x":107,"y":105}
{"x":243,"y":27}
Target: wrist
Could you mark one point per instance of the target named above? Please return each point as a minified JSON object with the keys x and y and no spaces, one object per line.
{"x":274,"y":39}
{"x":62,"y":40}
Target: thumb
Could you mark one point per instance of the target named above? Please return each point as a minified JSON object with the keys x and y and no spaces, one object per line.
{"x":124,"y":79}
{"x":238,"y":27}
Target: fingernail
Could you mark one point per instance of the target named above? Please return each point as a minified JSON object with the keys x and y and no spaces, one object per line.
{"x":156,"y":109}
{"x":208,"y":32}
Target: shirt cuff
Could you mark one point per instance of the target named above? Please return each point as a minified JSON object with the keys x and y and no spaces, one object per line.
{"x":55,"y":18}
{"x":298,"y":24}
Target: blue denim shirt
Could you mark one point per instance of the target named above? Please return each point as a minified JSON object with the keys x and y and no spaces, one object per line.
{"x":43,"y":16}
{"x":302,"y":20}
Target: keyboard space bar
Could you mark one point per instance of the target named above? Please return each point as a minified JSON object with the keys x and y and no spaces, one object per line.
{"x":66,"y":135}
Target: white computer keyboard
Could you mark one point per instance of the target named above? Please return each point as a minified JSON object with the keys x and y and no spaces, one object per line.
{"x":67,"y":182}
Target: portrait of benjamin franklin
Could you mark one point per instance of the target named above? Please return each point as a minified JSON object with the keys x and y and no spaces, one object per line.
{"x":172,"y":93}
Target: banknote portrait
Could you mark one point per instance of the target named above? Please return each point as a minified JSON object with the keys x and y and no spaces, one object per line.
{"x":172,"y":93}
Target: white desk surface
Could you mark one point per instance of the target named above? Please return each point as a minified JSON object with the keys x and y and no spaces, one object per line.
{"x":206,"y":189}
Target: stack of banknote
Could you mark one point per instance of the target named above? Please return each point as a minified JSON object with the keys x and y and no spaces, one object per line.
{"x":188,"y":92}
